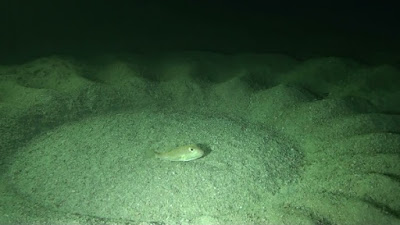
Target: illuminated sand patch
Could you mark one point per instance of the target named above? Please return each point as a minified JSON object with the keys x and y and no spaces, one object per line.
{"x":279,"y":153}
{"x":99,"y":166}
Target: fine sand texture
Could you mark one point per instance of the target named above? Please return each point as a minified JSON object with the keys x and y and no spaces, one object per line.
{"x":286,"y":141}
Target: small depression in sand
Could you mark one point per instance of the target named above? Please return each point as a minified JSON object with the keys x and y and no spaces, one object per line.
{"x":103,"y":166}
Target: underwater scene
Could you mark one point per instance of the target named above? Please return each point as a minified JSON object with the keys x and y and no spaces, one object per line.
{"x":211,"y":112}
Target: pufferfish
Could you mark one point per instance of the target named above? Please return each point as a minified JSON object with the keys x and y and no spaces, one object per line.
{"x":182,"y":153}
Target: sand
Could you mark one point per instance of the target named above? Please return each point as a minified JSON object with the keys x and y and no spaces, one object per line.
{"x":287,"y":141}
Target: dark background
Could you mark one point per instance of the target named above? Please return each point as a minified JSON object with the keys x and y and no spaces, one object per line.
{"x":364,"y":30}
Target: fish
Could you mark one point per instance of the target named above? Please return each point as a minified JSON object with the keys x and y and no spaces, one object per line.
{"x":182,"y":153}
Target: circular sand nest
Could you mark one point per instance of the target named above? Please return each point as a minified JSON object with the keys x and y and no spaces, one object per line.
{"x":79,"y":144}
{"x":103,"y":165}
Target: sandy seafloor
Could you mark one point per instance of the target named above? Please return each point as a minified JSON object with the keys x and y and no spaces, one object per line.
{"x":287,"y":141}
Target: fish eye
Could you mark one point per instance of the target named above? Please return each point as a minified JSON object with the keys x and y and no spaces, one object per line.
{"x":191,"y":149}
